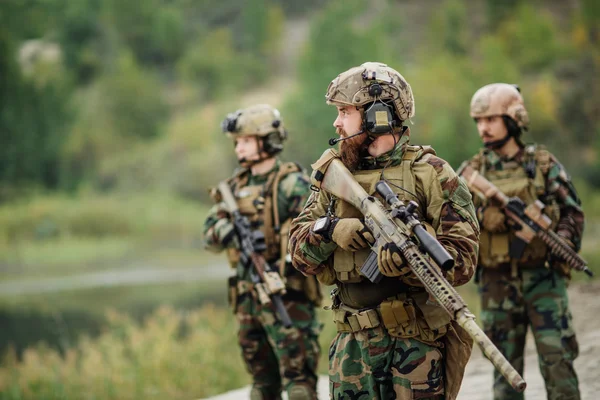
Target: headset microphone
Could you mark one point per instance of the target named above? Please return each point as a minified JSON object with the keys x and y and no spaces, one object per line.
{"x":334,"y":141}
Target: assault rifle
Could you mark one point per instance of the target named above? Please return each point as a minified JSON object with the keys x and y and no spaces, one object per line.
{"x":267,"y":282}
{"x":528,"y":221}
{"x":387,"y":227}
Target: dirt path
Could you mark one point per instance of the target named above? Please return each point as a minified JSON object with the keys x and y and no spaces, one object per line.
{"x":585,"y":303}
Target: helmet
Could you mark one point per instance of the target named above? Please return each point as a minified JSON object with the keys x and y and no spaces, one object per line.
{"x":500,"y":99}
{"x":370,"y":82}
{"x":260,"y":120}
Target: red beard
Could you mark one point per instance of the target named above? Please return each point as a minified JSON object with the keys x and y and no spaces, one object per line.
{"x":350,"y":149}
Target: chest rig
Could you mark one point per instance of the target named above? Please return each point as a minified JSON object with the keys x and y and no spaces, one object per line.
{"x":527,"y":181}
{"x":404,"y":311}
{"x":347,"y":264}
{"x":259,"y":204}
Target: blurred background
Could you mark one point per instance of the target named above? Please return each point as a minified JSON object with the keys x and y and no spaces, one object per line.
{"x":110,"y":137}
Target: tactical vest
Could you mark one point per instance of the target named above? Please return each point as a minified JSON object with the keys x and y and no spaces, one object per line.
{"x":514,"y":181}
{"x":404,"y":311}
{"x":347,"y":264}
{"x":259,"y":204}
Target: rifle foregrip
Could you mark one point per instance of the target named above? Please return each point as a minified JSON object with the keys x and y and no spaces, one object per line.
{"x":562,"y":250}
{"x":281,"y":311}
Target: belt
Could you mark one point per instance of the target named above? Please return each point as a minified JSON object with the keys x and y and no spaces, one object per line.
{"x":354,"y":322}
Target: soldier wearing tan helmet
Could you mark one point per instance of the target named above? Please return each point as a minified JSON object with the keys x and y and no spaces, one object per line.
{"x":269,"y":193}
{"x":391,"y":342}
{"x":530,"y":291}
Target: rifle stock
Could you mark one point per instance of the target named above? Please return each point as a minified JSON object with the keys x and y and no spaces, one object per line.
{"x":339,"y":181}
{"x":268,"y":284}
{"x":530,"y":220}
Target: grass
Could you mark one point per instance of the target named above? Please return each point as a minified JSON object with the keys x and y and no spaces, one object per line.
{"x":59,"y":235}
{"x":170,"y":355}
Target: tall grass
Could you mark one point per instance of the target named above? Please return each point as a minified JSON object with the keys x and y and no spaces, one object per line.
{"x":170,"y":355}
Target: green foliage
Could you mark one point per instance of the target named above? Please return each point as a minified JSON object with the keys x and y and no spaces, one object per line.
{"x":154,"y":29}
{"x":530,"y":36}
{"x":81,"y":38}
{"x":352,"y":43}
{"x":449,"y":28}
{"x":120,"y":109}
{"x":161,"y":358}
{"x":225,"y":70}
{"x":499,"y":11}
{"x":30,"y":151}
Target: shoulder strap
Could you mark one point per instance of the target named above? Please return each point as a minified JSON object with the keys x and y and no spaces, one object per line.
{"x":542,"y":158}
{"x":285,"y":169}
{"x":412,"y":154}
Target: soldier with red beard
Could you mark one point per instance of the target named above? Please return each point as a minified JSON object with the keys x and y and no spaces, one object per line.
{"x":392,"y":341}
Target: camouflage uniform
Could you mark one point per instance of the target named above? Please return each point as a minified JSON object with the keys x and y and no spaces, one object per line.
{"x":532,"y":291}
{"x":370,"y":358}
{"x":275,"y":356}
{"x":535,"y":293}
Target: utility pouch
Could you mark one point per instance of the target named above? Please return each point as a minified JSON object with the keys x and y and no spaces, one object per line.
{"x":399,"y":317}
{"x":232,"y":292}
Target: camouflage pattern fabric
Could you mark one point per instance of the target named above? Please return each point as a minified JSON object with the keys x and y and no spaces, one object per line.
{"x":276,"y":357}
{"x":374,"y":365}
{"x":558,"y":186}
{"x":452,"y":217}
{"x":371,"y":364}
{"x":536,"y":298}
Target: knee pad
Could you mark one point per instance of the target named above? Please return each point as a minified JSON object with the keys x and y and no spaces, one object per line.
{"x":300,"y":392}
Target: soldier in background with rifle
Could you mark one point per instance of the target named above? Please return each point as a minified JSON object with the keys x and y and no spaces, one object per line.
{"x":394,"y":340}
{"x":524,"y":255}
{"x":274,"y":303}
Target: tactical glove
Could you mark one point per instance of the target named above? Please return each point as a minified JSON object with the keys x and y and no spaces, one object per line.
{"x":390,"y":262}
{"x":224,"y":233}
{"x":351,"y":234}
{"x":493,"y":220}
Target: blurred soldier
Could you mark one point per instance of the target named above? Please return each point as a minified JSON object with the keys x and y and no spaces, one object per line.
{"x":530,"y":291}
{"x":421,"y":354}
{"x":269,"y":193}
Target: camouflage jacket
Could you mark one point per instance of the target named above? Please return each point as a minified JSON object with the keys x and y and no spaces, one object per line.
{"x":292,"y":191}
{"x":558,"y":188}
{"x":452,"y":217}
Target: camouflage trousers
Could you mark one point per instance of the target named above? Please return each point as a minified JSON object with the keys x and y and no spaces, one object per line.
{"x":279,"y":357}
{"x":536,"y":298}
{"x":371,"y":364}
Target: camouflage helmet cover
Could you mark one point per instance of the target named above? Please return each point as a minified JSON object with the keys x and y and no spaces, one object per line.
{"x":352,"y":88}
{"x":260,"y":120}
{"x":500,"y":99}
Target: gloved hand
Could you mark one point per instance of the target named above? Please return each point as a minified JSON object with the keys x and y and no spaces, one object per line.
{"x":224,"y":233}
{"x":494,"y":220}
{"x":390,"y":262}
{"x":351,"y":234}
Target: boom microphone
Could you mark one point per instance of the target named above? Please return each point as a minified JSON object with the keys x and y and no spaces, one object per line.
{"x":334,"y":141}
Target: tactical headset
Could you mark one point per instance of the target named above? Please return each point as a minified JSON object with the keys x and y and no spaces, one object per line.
{"x":378,"y":118}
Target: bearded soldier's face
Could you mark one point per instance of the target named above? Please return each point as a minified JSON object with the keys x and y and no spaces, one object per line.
{"x":347,"y":123}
